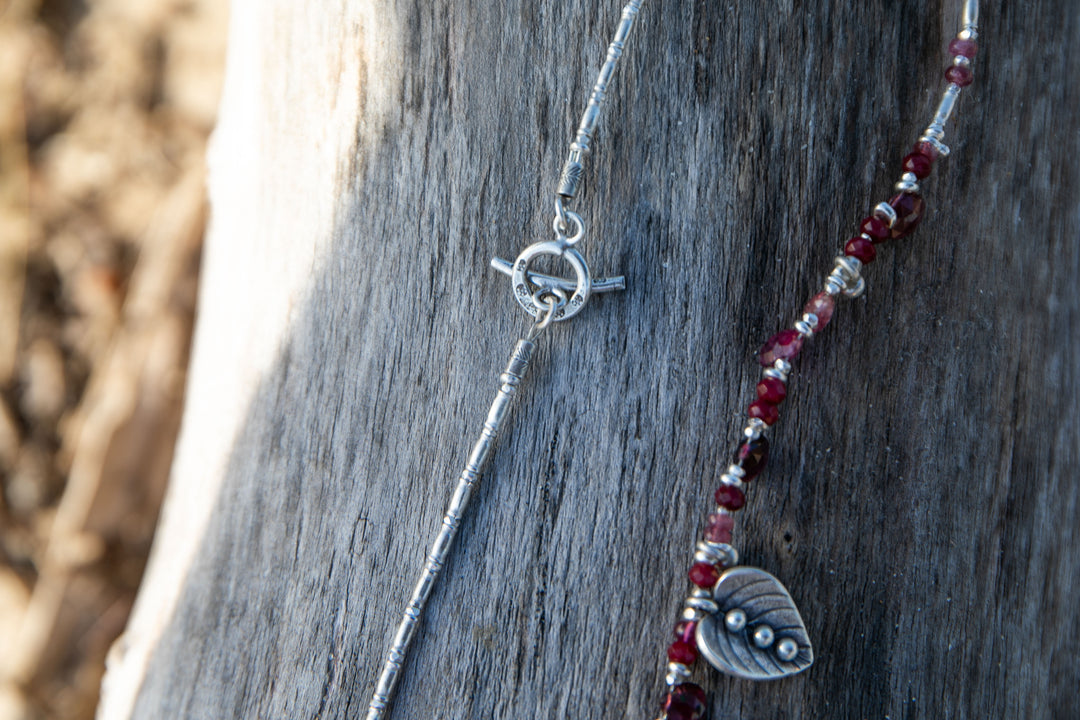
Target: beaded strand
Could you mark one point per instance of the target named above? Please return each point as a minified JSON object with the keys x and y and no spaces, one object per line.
{"x":897,"y":218}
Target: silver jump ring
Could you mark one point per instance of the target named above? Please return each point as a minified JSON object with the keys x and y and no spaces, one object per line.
{"x":562,"y":227}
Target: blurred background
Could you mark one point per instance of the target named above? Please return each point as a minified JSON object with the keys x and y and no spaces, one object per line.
{"x":105,"y":110}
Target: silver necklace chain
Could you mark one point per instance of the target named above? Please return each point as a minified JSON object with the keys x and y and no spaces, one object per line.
{"x":547,"y":299}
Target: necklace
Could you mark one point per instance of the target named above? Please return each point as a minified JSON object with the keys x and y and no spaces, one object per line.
{"x":741,"y":619}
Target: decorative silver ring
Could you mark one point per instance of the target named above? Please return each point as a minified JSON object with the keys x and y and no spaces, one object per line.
{"x":524,"y":292}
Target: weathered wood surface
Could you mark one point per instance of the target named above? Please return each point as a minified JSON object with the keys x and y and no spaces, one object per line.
{"x":922,"y":497}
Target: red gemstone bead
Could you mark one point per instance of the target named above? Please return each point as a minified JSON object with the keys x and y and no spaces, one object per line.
{"x":927,"y":149}
{"x":717,"y":530}
{"x":682,"y":652}
{"x":685,"y":630}
{"x":874,"y":227}
{"x":861,"y":249}
{"x":959,"y":75}
{"x":821,"y":306}
{"x":784,"y":345}
{"x":965,"y":48}
{"x":772,"y":390}
{"x":730,"y":497}
{"x":763,"y":411}
{"x":685,"y":702}
{"x":752,"y":456}
{"x":703,"y":574}
{"x":917,"y":164}
{"x":909,"y":211}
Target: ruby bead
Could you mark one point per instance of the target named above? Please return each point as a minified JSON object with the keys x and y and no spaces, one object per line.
{"x":784,"y":345}
{"x":917,"y":164}
{"x":821,"y":306}
{"x":874,"y":227}
{"x":959,"y":75}
{"x":717,"y":530}
{"x":729,"y":497}
{"x":861,"y":249}
{"x":682,"y":652}
{"x":685,"y":702}
{"x":927,"y":149}
{"x":772,"y":390}
{"x":703,"y":574}
{"x":909,"y":211}
{"x":763,"y":411}
{"x":964,"y":48}
{"x":752,"y":456}
{"x":685,"y":630}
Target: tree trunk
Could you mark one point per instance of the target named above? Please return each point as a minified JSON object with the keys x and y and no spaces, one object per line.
{"x":371,"y":157}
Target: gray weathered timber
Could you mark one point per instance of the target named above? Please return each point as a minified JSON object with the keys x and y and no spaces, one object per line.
{"x":922,"y":496}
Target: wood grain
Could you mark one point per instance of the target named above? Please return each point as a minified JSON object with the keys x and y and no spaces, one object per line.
{"x":921,"y":498}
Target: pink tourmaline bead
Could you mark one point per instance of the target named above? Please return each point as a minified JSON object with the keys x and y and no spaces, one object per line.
{"x":772,"y":390}
{"x":718,"y":529}
{"x":917,"y":164}
{"x":965,"y":48}
{"x":959,"y":75}
{"x":784,"y":345}
{"x":909,"y":211}
{"x":861,"y":249}
{"x":821,"y":305}
{"x":730,"y":498}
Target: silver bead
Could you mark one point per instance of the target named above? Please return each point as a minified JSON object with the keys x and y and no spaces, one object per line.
{"x":854,"y":291}
{"x":677,"y":673}
{"x":735,"y":620}
{"x":736,"y":471}
{"x":763,"y":636}
{"x":704,"y":604}
{"x":692,"y":614}
{"x":849,"y":267}
{"x":722,"y":552}
{"x":771,"y":372}
{"x":787,"y":649}
{"x":804,"y":328}
{"x":961,"y":61}
{"x":907,"y":185}
{"x":967,"y":34}
{"x":731,"y":480}
{"x":885,"y":211}
{"x":782,"y":365}
{"x":754,"y":428}
{"x":833,"y":286}
{"x":811,"y":319}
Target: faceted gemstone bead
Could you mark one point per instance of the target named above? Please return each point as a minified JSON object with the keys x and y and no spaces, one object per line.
{"x":685,"y":702}
{"x":685,"y":630}
{"x":909,"y":211}
{"x":821,"y":305}
{"x":717,"y":530}
{"x":917,"y":164}
{"x":784,"y":345}
{"x":772,"y":390}
{"x":763,"y":411}
{"x":861,"y":249}
{"x":965,"y":48}
{"x":703,"y":574}
{"x":927,"y":149}
{"x":731,"y":498}
{"x":752,"y":456}
{"x":682,"y":652}
{"x":959,"y":75}
{"x":875,"y":227}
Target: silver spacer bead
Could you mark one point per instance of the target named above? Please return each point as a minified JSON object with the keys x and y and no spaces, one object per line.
{"x":961,"y":61}
{"x":941,"y":148}
{"x":854,"y":291}
{"x":782,"y":365}
{"x":811,"y":319}
{"x":732,"y":481}
{"x":736,"y":471}
{"x":722,"y":552}
{"x":968,"y":33}
{"x":907,"y":183}
{"x":703,"y":604}
{"x":885,"y":211}
{"x":677,"y":674}
{"x":771,"y":372}
{"x":804,"y":328}
{"x":850,"y":266}
{"x":834,"y":286}
{"x":692,"y":614}
{"x":754,"y":428}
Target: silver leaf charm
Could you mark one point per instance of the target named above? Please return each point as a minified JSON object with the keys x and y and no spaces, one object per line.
{"x":757,"y":633}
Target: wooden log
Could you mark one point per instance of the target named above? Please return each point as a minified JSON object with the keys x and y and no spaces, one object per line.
{"x":371,"y":158}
